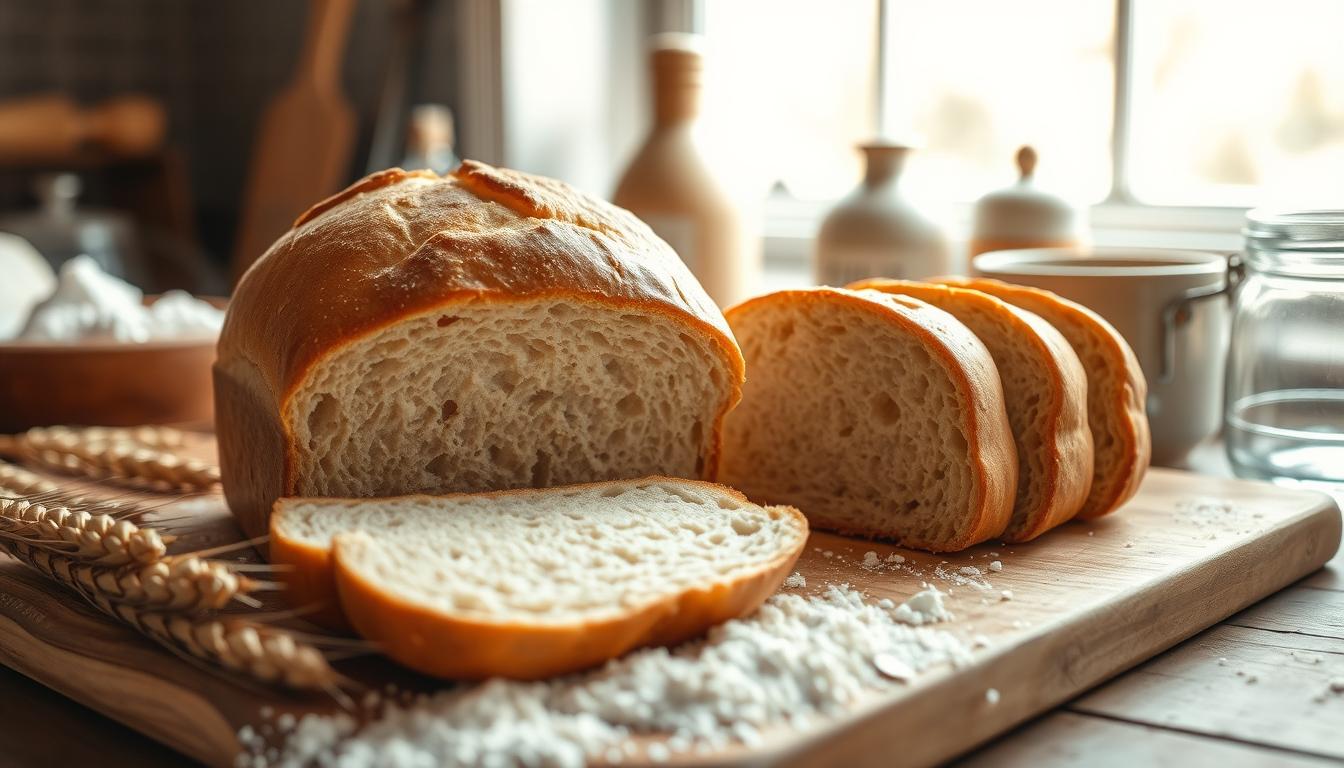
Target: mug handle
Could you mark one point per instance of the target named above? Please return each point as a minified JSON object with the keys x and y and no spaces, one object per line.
{"x":1177,"y":312}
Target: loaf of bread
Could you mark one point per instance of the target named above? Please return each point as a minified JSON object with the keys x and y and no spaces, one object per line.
{"x":532,"y":583}
{"x":478,"y":331}
{"x":874,"y":414}
{"x":1045,"y":389}
{"x":1116,"y":390}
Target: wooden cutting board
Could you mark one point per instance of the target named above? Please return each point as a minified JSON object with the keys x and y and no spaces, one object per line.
{"x":1088,"y":601}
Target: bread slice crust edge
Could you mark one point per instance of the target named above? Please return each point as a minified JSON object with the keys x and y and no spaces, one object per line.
{"x":1128,"y":405}
{"x":320,"y":579}
{"x":1068,"y":461}
{"x":993,"y":455}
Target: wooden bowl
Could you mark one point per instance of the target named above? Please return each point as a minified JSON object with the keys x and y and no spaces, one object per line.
{"x":106,"y":383}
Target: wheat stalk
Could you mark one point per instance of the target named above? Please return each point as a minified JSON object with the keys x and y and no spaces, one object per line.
{"x":22,"y":482}
{"x":99,"y":539}
{"x":137,"y":454}
{"x":264,"y":653}
{"x":163,"y":612}
{"x":123,"y":570}
{"x":125,"y":461}
{"x":185,"y":584}
{"x":66,"y":438}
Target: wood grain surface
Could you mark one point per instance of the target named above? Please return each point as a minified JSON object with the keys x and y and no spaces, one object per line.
{"x":1089,"y":601}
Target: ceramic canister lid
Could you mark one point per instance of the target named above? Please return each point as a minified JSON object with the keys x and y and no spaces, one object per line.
{"x":1023,"y":212}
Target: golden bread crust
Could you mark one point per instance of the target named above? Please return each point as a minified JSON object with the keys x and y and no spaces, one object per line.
{"x":397,"y":244}
{"x":990,"y":440}
{"x":1126,"y":409}
{"x":1068,"y":459}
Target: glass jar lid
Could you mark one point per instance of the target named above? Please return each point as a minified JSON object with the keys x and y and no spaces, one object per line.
{"x":1300,"y":242}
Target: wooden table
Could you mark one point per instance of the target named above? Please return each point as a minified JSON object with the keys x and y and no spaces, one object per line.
{"x":1193,"y":705}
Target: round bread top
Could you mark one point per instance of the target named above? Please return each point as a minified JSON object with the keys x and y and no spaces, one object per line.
{"x":400,"y":243}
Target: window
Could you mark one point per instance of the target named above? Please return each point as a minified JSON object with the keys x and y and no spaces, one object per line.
{"x":1153,"y":102}
{"x":1235,"y":103}
{"x":790,"y":91}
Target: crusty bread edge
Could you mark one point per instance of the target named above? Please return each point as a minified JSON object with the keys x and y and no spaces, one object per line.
{"x":1074,"y":455}
{"x":1069,"y":465}
{"x":312,"y":583}
{"x":1135,"y":430}
{"x":993,"y":455}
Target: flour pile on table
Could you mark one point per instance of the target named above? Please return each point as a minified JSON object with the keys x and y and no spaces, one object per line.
{"x":794,"y":660}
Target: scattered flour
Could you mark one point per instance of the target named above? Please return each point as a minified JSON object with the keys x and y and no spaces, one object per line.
{"x":1213,"y":518}
{"x":996,"y":566}
{"x":795,"y":581}
{"x":965,"y":576}
{"x":871,"y":560}
{"x":992,"y":696}
{"x":795,"y":660}
{"x":924,"y":608}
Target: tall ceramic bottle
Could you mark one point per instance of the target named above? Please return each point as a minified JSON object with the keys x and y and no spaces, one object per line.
{"x":670,"y":185}
{"x":875,"y":231}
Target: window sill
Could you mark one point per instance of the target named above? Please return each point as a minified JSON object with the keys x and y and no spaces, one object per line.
{"x":790,"y":227}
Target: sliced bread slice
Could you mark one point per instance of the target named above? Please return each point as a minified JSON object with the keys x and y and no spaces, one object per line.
{"x":532,"y":583}
{"x":1116,"y":390}
{"x":1045,"y":389}
{"x":874,"y":414}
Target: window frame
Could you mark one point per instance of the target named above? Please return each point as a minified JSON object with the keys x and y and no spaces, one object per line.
{"x":492,"y":132}
{"x":1119,"y":219}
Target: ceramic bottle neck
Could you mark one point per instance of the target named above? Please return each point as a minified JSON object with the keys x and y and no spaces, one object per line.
{"x":676,"y":86}
{"x":883,"y":165}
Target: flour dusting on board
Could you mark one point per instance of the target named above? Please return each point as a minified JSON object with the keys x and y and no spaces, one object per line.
{"x":795,"y":660}
{"x":1213,"y":518}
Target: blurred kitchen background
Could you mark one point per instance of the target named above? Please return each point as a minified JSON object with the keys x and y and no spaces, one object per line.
{"x":131,"y":127}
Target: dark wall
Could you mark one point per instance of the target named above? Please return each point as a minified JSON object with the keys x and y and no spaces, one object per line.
{"x":215,"y":65}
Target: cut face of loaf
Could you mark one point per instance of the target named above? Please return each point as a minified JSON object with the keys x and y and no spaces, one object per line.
{"x":875,"y":415}
{"x":483,"y":396}
{"x":528,"y":584}
{"x":1116,"y":390}
{"x":1045,"y":390}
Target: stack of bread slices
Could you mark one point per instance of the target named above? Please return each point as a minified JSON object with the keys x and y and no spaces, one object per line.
{"x":936,"y":414}
{"x":479,"y":417}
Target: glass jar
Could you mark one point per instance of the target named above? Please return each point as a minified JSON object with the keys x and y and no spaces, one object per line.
{"x":1285,"y":371}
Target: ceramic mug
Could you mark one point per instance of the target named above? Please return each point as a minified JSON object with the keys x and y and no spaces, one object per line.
{"x":1170,"y":306}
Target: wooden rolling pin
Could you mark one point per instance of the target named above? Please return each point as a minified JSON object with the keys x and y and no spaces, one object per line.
{"x":53,"y":128}
{"x":302,"y":153}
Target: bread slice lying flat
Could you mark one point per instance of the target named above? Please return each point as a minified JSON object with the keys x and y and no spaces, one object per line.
{"x":533,"y":583}
{"x":1045,"y":389}
{"x":477,"y":331}
{"x":1116,"y":390}
{"x":874,"y":414}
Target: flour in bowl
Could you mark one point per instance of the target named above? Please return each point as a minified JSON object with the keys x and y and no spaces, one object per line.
{"x":90,"y":305}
